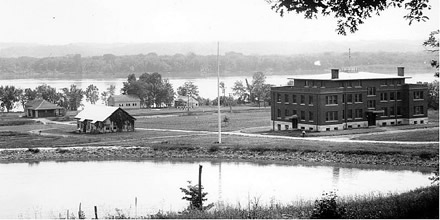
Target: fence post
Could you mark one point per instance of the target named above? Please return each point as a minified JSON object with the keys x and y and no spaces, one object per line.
{"x":200,"y":187}
{"x":96,"y":212}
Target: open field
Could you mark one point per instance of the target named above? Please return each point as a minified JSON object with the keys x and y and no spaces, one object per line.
{"x":174,"y":133}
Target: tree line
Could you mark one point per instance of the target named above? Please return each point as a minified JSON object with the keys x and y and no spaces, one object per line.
{"x":193,"y":65}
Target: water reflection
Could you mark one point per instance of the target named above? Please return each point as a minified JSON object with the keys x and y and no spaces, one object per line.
{"x":51,"y":188}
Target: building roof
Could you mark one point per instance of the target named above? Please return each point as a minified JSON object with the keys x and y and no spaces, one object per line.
{"x":98,"y":113}
{"x":125,"y":98}
{"x":349,"y":76}
{"x":185,"y":99}
{"x":41,"y":104}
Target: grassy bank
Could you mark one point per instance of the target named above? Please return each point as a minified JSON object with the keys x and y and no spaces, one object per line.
{"x":419,"y":203}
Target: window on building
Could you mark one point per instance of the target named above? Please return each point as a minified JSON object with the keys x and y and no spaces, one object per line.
{"x":341,"y":84}
{"x":358,"y":98}
{"x":310,"y":116}
{"x":358,"y":83}
{"x":286,"y":98}
{"x":349,"y":114}
{"x":371,"y":104}
{"x":322,"y":83}
{"x":399,"y":96}
{"x":418,"y":94}
{"x":293,"y":112}
{"x":343,"y":114}
{"x":310,"y":100}
{"x":384,"y":82}
{"x":399,"y":110}
{"x":399,"y":82}
{"x":349,"y":84}
{"x":294,"y":99}
{"x":279,"y":113}
{"x":303,"y":99}
{"x":392,"y":111}
{"x":418,"y":110}
{"x":385,"y":111}
{"x":392,"y":96}
{"x":128,"y":104}
{"x":383,"y":96}
{"x":303,"y":116}
{"x":331,"y":99}
{"x":358,"y":113}
{"x":331,"y":116}
{"x":278,"y":97}
{"x":349,"y":98}
{"x":371,"y":91}
{"x":286,"y":112}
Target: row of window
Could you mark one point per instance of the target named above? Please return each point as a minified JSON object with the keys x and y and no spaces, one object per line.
{"x":128,"y":104}
{"x":333,"y":99}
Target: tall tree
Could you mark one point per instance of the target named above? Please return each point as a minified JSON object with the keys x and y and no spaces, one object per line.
{"x":47,"y":93}
{"x":240,"y":91}
{"x":432,"y":45}
{"x":350,"y":14}
{"x":28,"y":95}
{"x":433,"y":98}
{"x":92,"y":94}
{"x":73,"y":97}
{"x":9,"y":95}
{"x":258,"y":89}
{"x":104,"y":97}
{"x":111,"y":90}
{"x":188,"y":88}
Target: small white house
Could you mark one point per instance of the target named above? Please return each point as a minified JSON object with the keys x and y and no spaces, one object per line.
{"x":104,"y":119}
{"x":124,"y":101}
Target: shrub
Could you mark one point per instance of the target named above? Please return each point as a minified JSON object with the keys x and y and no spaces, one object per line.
{"x":192,"y":195}
{"x":213,"y":148}
{"x":34,"y":150}
{"x":61,"y":150}
{"x":327,"y":207}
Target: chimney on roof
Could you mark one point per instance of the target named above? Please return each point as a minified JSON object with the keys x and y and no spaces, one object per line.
{"x":335,"y":73}
{"x":401,"y":71}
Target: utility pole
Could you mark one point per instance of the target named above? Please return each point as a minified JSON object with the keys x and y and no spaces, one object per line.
{"x":218,"y":96}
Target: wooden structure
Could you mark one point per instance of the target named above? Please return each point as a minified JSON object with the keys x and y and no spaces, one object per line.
{"x":186,"y":102}
{"x":104,"y":119}
{"x":40,"y":108}
{"x":124,"y":101}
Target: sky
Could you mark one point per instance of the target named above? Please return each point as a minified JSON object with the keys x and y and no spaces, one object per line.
{"x":143,"y":21}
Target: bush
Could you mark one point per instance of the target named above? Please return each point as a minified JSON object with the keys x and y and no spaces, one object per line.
{"x":327,"y":207}
{"x":34,"y":150}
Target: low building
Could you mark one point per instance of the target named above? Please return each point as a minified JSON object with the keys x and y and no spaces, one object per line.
{"x":185,"y":102}
{"x":348,"y":100}
{"x":40,"y":108}
{"x":124,"y":101}
{"x":104,"y":119}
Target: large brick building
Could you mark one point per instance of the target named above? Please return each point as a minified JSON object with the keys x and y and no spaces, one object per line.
{"x":343,"y":100}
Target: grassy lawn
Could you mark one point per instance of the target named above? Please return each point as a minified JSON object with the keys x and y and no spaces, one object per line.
{"x":418,"y":135}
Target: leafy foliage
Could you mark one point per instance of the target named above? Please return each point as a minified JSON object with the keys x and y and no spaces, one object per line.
{"x":327,"y":207}
{"x":9,"y":95}
{"x":192,"y":195}
{"x":72,"y":97}
{"x":92,"y":94}
{"x":350,"y":14}
{"x":433,"y":96}
{"x":432,"y":43}
{"x":188,"y":88}
{"x":150,"y":88}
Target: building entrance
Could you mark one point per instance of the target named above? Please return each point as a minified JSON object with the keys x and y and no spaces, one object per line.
{"x":371,"y":119}
{"x":295,"y":123}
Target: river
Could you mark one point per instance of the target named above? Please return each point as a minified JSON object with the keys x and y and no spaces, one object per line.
{"x":49,"y":189}
{"x":206,"y":85}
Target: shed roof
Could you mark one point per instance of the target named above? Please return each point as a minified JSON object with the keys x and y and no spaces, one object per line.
{"x":125,"y":98}
{"x":185,"y":98}
{"x":349,"y":76}
{"x":41,"y":104}
{"x":98,"y":113}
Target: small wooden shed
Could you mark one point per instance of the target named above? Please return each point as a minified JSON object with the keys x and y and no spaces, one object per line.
{"x":104,"y":119}
{"x":40,"y":108}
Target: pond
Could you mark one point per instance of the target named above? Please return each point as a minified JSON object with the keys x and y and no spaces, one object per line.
{"x":49,"y":189}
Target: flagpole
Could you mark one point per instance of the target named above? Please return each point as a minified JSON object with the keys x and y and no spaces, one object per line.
{"x":218,"y":96}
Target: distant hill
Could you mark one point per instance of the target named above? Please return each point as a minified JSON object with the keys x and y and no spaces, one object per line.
{"x":207,"y":48}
